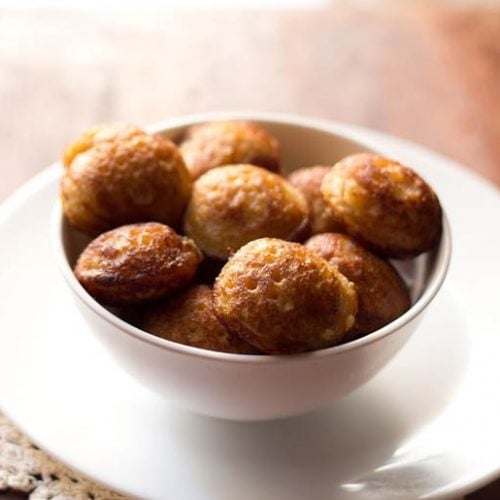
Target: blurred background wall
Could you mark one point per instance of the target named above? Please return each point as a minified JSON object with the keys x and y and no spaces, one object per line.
{"x":427,"y":71}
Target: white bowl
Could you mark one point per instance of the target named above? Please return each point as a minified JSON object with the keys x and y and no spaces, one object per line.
{"x":250,"y":387}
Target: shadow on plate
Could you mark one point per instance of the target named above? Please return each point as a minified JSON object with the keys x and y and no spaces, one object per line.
{"x":311,"y":455}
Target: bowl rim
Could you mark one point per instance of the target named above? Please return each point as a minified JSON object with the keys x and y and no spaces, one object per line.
{"x":436,"y":279}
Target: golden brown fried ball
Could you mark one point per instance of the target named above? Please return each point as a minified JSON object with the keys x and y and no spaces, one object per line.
{"x":384,"y":204}
{"x":137,"y":263}
{"x":283,"y":298}
{"x":382,"y":294}
{"x":308,"y":180}
{"x":235,"y":204}
{"x":122,"y":175}
{"x":190,"y":319}
{"x":228,"y":142}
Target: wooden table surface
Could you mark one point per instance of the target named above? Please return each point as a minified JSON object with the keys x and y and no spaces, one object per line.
{"x":431,"y":75}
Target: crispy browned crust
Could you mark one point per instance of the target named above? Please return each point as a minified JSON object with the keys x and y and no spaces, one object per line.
{"x":283,"y":298}
{"x":384,"y":204}
{"x":228,"y":142}
{"x":308,"y":180}
{"x":190,"y":319}
{"x":99,"y":133}
{"x":382,"y":294}
{"x":137,"y":263}
{"x":129,"y":177}
{"x":235,"y":204}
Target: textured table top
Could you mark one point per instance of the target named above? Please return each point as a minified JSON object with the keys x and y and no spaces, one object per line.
{"x":431,"y":75}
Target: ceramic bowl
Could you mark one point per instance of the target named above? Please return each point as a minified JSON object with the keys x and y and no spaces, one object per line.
{"x":257,"y":387}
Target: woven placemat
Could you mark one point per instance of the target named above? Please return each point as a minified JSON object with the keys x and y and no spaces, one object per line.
{"x":28,"y":472}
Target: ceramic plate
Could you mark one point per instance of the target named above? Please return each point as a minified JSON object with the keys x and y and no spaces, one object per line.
{"x":426,"y":427}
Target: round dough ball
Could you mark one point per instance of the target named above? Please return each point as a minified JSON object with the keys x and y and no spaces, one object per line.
{"x":308,"y":181}
{"x":235,"y":204}
{"x":127,"y":177}
{"x":137,"y":263}
{"x":384,"y":204}
{"x":190,"y":319}
{"x":382,"y":294}
{"x":100,"y":133}
{"x":228,"y":142}
{"x":283,"y":298}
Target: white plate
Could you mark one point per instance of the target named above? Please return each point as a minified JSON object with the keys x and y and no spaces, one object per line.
{"x":426,"y":427}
